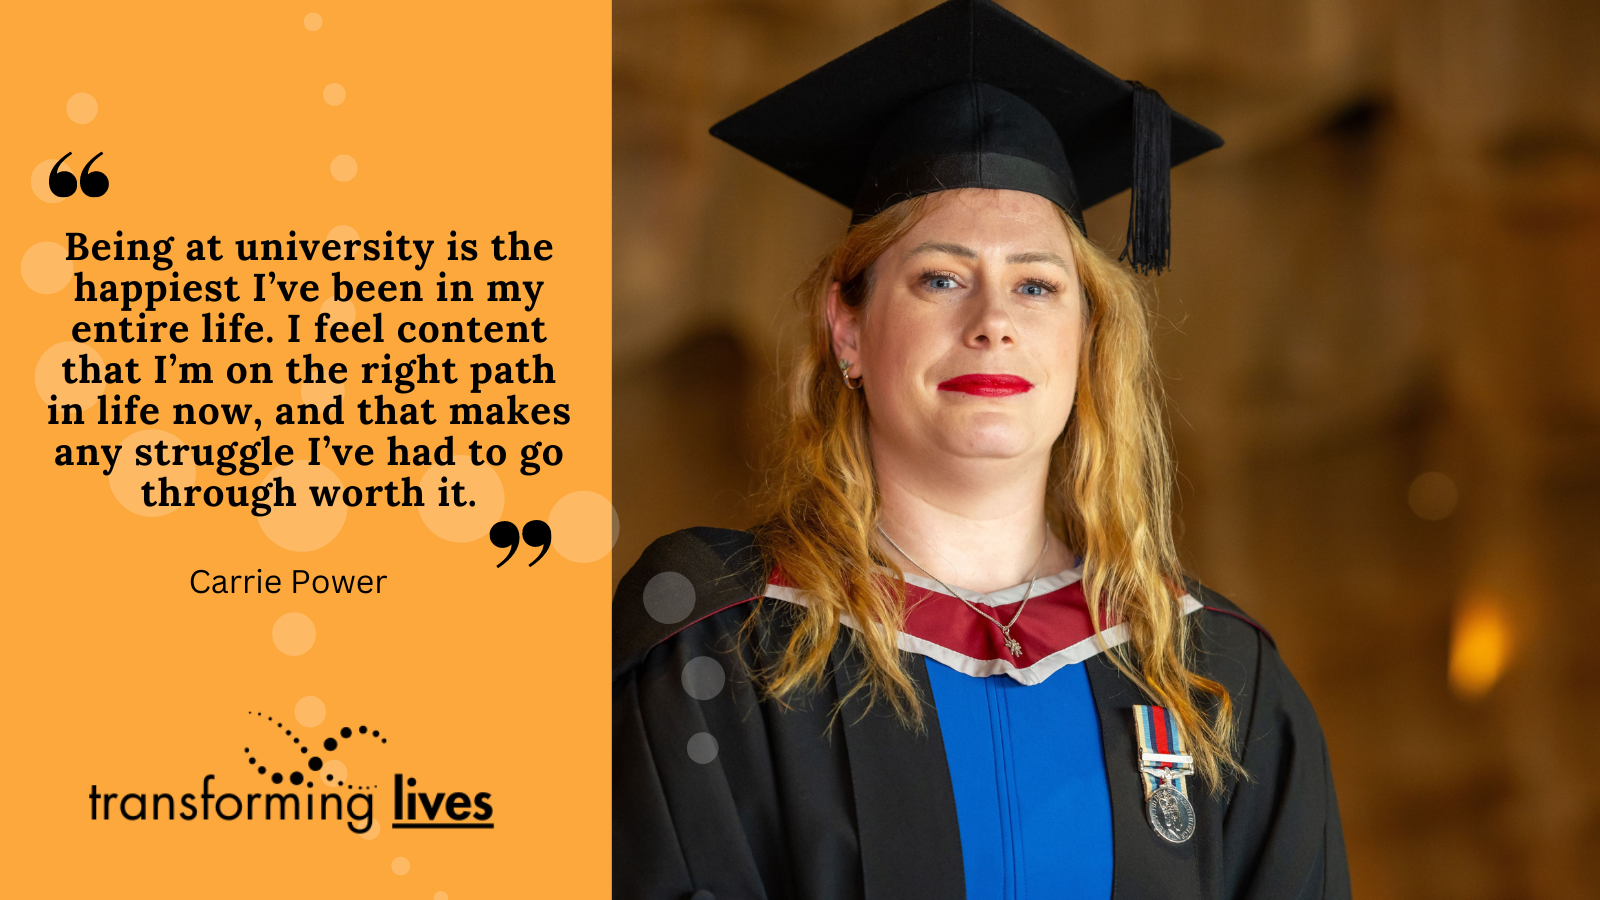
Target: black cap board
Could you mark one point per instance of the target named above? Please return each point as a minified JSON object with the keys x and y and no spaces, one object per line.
{"x":970,"y":95}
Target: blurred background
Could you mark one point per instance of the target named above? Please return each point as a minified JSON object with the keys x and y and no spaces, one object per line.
{"x":1379,"y":336}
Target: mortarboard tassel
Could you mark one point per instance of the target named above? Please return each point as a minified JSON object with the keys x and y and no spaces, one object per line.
{"x":1150,"y":217}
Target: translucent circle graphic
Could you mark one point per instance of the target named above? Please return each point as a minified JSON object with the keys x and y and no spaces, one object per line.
{"x":343,"y":167}
{"x":338,"y":311}
{"x":669,"y":597}
{"x":702,"y":748}
{"x":337,"y":769}
{"x":45,"y":267}
{"x":583,"y":526}
{"x":294,"y":633}
{"x":313,"y":21}
{"x":333,"y":94}
{"x":1433,"y":496}
{"x":310,"y":711}
{"x":703,"y":677}
{"x":82,"y":108}
{"x":49,"y":378}
{"x":128,"y":479}
{"x":342,"y":233}
{"x":322,"y":394}
{"x":40,"y":181}
{"x":305,"y":526}
{"x":401,"y":865}
{"x":480,"y":487}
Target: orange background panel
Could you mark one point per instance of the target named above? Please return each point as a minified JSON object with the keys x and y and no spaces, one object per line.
{"x":212,"y":119}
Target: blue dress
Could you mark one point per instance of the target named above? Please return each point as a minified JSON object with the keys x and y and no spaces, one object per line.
{"x":1029,"y":774}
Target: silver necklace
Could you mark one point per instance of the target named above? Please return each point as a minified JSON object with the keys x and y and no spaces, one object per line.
{"x":1013,"y":646}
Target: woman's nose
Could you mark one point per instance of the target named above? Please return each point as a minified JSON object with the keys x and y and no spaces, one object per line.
{"x":991,"y":325}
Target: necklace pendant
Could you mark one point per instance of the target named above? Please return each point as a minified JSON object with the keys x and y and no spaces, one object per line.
{"x":1013,"y":646}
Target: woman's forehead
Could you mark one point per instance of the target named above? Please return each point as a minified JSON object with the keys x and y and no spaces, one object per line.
{"x":983,"y":221}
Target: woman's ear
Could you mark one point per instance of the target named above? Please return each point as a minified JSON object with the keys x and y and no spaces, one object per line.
{"x":844,"y":326}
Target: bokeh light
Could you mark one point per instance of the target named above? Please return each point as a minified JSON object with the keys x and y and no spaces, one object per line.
{"x":1480,"y":645}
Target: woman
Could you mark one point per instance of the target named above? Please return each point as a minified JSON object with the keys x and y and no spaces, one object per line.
{"x":956,"y":657}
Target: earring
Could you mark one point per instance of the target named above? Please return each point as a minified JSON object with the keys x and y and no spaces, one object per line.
{"x":844,"y":369}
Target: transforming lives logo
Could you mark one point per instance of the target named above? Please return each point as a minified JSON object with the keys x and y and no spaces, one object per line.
{"x":355,"y":806}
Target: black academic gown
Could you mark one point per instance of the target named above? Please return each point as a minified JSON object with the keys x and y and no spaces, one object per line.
{"x":800,"y":803}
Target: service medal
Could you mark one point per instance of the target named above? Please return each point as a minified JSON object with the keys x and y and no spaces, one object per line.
{"x":1164,"y":771}
{"x":1171,"y":814}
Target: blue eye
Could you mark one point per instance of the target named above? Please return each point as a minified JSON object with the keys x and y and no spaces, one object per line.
{"x":1036,"y":289}
{"x":941,"y":282}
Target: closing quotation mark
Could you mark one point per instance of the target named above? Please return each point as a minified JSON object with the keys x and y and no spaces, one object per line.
{"x":534,"y":534}
{"x":63,"y":184}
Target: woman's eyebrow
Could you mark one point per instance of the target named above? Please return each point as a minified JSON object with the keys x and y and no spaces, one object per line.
{"x":960,"y":250}
{"x":1038,"y":256}
{"x":965,"y":252}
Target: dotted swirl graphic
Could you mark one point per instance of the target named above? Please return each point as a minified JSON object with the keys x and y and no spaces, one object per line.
{"x":317,"y":769}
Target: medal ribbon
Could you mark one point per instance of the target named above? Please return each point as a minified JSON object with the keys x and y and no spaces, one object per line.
{"x":1160,"y":747}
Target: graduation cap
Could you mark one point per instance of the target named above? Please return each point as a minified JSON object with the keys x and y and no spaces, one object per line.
{"x":969,"y":95}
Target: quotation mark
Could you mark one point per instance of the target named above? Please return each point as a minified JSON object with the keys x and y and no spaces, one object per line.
{"x":63,"y":184}
{"x":534,"y":534}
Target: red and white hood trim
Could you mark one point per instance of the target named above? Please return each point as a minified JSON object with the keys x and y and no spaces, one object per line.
{"x":1055,"y":630}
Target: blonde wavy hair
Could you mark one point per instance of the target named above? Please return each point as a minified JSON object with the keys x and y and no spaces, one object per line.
{"x":1109,"y":499}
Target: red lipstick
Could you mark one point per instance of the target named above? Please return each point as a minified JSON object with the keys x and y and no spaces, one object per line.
{"x":983,"y":385}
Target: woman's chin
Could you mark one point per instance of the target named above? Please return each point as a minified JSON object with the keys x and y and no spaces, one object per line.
{"x":988,"y":434}
{"x":988,"y":440}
